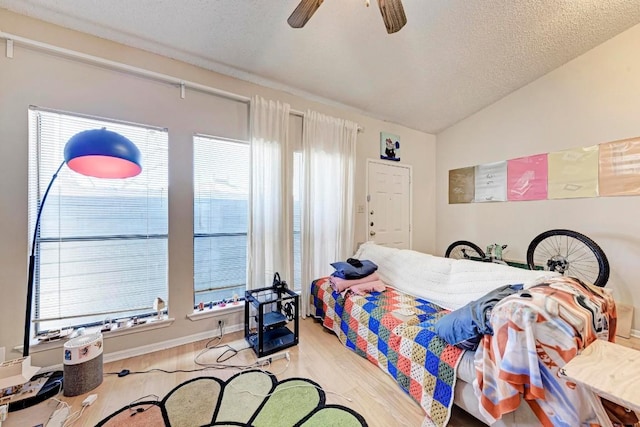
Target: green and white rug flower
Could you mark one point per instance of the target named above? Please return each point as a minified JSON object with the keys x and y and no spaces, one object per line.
{"x":250,"y":398}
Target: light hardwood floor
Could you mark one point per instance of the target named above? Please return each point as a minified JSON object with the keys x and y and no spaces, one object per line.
{"x":320,"y":356}
{"x":629,"y":342}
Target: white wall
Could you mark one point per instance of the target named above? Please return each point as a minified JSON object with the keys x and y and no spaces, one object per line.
{"x":592,"y":99}
{"x":38,"y":78}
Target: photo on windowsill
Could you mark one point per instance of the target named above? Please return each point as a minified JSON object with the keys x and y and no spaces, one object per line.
{"x":108,"y":325}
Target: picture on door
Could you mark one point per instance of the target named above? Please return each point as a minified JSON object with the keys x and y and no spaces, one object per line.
{"x":389,"y":146}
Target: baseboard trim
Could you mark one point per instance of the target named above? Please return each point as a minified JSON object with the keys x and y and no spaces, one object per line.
{"x":163,"y":345}
{"x":139,"y":351}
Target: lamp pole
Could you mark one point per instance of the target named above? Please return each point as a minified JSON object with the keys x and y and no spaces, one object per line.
{"x":97,"y":153}
{"x":32,"y":264}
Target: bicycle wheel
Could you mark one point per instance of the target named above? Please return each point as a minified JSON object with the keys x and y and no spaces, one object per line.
{"x":569,"y":253}
{"x":463,"y":249}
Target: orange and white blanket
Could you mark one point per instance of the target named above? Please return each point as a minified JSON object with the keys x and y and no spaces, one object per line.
{"x":535,"y":334}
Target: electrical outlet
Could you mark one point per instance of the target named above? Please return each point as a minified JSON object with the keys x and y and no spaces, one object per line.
{"x":221,"y":323}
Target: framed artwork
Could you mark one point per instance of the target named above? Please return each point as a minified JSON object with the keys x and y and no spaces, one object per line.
{"x":527,"y":178}
{"x":462,"y":185}
{"x":491,"y":182}
{"x":573,"y":173}
{"x":389,"y":146}
{"x":619,"y":173}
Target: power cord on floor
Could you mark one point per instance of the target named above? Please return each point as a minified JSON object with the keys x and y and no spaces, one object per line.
{"x":59,"y":415}
{"x":71,"y":419}
{"x":213,"y":344}
{"x":268,"y":363}
{"x":62,"y":415}
{"x":126,"y":372}
{"x":218,"y":344}
{"x":136,"y":406}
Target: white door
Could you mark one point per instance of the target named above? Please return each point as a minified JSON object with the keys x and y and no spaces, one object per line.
{"x":389,"y":204}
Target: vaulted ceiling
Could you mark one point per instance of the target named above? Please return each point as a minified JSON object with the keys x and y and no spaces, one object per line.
{"x":452,"y":58}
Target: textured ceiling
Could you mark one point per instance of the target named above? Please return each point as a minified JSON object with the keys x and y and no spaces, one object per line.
{"x":453,"y":57}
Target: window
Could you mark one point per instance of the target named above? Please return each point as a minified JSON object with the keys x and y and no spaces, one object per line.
{"x":220,"y":209}
{"x":101,"y":248}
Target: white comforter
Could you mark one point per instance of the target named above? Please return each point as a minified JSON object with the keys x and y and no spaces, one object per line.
{"x":449,"y":283}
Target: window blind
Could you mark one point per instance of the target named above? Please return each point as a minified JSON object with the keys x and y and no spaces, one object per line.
{"x":220,"y":208}
{"x":101,"y":248}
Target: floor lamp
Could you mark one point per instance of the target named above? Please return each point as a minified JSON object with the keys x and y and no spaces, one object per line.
{"x":98,"y":153}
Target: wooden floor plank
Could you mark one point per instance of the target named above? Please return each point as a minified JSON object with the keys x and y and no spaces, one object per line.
{"x":320,"y":356}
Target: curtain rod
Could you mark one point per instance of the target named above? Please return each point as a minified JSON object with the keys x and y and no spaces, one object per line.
{"x":117,"y":66}
{"x":84,"y":57}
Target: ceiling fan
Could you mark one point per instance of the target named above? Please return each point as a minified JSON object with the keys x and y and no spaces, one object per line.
{"x":392,"y":13}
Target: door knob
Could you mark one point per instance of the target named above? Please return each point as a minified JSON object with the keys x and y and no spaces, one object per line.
{"x":372,"y":233}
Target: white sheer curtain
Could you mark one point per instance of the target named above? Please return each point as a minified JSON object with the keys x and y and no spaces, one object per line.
{"x":329,"y":151}
{"x":270,"y":234}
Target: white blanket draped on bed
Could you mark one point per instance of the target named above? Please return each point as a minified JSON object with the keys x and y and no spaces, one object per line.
{"x":449,"y":283}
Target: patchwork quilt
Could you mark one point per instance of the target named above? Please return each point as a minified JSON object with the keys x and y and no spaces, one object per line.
{"x":536,"y":332}
{"x":376,"y":327}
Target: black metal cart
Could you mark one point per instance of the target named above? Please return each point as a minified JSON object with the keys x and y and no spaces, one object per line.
{"x":271,"y":319}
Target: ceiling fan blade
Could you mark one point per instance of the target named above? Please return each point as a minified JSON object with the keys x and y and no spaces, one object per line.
{"x":392,"y":15}
{"x":303,"y":12}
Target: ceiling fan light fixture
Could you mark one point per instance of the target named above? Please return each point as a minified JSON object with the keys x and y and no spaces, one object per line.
{"x":303,"y":12}
{"x":392,"y":13}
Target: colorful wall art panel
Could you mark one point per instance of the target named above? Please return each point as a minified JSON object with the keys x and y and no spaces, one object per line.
{"x":573,"y":173}
{"x":491,"y":182}
{"x":620,"y":168}
{"x":527,"y":178}
{"x":607,"y":169}
{"x":461,"y":185}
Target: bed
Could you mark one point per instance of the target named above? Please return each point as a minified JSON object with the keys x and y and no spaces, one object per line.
{"x":534,"y":336}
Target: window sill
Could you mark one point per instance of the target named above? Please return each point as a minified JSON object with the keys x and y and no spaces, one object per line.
{"x":134,"y":329}
{"x":215,"y":311}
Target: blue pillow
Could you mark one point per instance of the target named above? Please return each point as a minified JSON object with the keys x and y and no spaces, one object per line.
{"x":344,"y":270}
{"x":465,"y":326}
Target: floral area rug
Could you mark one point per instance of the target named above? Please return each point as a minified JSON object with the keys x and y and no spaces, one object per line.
{"x":251,"y":398}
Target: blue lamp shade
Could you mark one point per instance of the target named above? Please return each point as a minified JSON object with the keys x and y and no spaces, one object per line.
{"x":102,"y":153}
